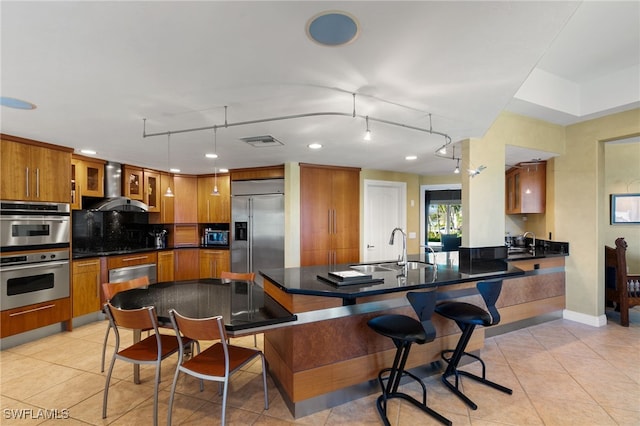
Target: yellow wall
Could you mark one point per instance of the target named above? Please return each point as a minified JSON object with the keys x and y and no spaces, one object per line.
{"x":581,"y":206}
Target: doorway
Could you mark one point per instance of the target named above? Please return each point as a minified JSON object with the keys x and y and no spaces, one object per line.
{"x":385,"y":208}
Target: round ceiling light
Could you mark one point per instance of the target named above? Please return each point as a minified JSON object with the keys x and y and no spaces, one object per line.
{"x":333,"y":28}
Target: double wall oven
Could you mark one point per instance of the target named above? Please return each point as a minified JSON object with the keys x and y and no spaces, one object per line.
{"x":34,"y":252}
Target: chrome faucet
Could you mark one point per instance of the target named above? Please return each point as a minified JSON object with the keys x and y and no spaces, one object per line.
{"x":403,"y":260}
{"x":430,"y":249}
{"x":533,"y":239}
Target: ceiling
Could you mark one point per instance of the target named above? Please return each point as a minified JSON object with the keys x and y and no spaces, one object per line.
{"x":419,"y":70}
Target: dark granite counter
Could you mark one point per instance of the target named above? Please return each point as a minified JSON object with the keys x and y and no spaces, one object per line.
{"x":444,"y":271}
{"x":87,"y":254}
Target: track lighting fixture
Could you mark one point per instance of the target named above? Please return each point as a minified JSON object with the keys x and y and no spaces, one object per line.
{"x":457,"y":170}
{"x":367,"y":134}
{"x":168,"y":193}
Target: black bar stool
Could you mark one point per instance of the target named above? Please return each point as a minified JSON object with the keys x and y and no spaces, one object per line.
{"x":404,"y":331}
{"x":468,"y":316}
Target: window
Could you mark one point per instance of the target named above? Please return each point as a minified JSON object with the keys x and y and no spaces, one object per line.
{"x":444,"y":214}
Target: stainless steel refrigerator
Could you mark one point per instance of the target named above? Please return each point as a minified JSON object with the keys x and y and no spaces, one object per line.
{"x":257,"y":225}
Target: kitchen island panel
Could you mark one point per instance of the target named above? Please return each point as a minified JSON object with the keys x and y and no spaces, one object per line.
{"x":299,"y":302}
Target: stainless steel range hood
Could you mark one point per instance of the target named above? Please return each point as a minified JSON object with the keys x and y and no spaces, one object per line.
{"x":114,"y":200}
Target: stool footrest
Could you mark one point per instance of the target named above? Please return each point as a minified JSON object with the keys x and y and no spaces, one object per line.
{"x":454,"y":387}
{"x":381,"y":404}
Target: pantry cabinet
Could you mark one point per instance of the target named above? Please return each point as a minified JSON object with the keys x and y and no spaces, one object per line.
{"x":329,"y":215}
{"x":85,"y":285}
{"x":525,"y":188}
{"x":186,"y":199}
{"x":214,"y":208}
{"x":33,"y":172}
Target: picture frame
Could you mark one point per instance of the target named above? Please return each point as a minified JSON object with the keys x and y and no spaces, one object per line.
{"x":625,"y":209}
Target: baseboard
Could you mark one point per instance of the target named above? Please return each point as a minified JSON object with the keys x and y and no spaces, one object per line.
{"x":594,"y":321}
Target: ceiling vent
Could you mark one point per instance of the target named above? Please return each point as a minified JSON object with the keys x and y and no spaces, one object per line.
{"x":262,"y":141}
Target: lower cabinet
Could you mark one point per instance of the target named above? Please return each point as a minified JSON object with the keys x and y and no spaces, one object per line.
{"x":213,"y":262}
{"x":25,"y":318}
{"x":85,"y":286}
{"x":166,"y":266}
{"x":186,"y":264}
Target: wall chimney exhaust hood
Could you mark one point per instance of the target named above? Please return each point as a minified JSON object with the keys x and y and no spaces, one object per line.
{"x":114,"y":200}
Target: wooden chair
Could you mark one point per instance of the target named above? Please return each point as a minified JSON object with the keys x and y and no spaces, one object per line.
{"x":151,"y":350}
{"x":111,"y":289}
{"x":242,"y":276}
{"x":216,"y":363}
{"x":617,"y":287}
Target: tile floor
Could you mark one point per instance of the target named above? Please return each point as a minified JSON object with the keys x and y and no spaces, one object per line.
{"x":561,"y":373}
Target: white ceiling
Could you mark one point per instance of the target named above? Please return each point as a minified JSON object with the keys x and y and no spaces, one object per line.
{"x":96,"y":69}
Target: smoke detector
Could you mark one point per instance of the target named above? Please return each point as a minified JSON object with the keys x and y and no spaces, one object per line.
{"x":262,"y":141}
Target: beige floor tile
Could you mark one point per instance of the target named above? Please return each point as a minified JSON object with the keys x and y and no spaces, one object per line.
{"x":623,"y":417}
{"x":36,"y":381}
{"x":555,"y":412}
{"x":69,"y":392}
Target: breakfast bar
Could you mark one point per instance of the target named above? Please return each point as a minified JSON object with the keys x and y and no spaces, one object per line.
{"x":329,"y":355}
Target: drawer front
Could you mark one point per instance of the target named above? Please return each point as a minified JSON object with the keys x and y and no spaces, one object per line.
{"x":131,"y":260}
{"x":85,"y":266}
{"x":30,"y":317}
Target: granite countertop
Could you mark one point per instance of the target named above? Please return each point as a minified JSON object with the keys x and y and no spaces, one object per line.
{"x":87,"y":254}
{"x":444,"y":271}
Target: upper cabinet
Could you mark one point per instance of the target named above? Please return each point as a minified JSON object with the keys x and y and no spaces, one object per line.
{"x":87,"y":179}
{"x":186,"y":199}
{"x":525,"y":190}
{"x":152,"y":192}
{"x":329,"y":215}
{"x":133,"y":182}
{"x":34,"y":172}
{"x":214,"y":208}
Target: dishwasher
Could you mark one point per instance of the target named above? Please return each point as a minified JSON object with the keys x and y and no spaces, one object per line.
{"x":130,"y":272}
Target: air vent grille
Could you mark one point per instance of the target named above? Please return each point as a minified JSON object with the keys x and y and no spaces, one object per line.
{"x":262,"y":141}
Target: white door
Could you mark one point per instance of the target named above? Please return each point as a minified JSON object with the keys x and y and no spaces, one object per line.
{"x":385,"y":205}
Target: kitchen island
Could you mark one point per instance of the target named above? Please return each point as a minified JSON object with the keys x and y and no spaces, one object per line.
{"x":329,"y":355}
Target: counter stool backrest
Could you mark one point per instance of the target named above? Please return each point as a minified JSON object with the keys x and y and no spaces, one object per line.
{"x":490,"y":291}
{"x":423,"y":303}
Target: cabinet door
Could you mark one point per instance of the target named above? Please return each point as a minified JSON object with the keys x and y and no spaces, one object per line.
{"x":186,"y":264}
{"x":133,"y":182}
{"x":152,"y":190}
{"x":186,"y":199}
{"x":166,"y":203}
{"x":92,"y":183}
{"x":316,"y":214}
{"x":214,"y":208}
{"x":165,"y":266}
{"x":76,"y":196}
{"x":15,"y":170}
{"x":213,"y":262}
{"x":346,"y":212}
{"x":86,"y":287}
{"x":51,"y":176}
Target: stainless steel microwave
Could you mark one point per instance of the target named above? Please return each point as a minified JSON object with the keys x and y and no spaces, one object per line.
{"x":216,"y":237}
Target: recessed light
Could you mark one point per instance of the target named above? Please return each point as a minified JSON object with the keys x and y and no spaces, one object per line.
{"x":16,"y":103}
{"x":174,"y":170}
{"x":88,"y":151}
{"x":411,"y":157}
{"x":211,"y":155}
{"x":333,"y":28}
{"x":314,"y":146}
{"x":223,"y":170}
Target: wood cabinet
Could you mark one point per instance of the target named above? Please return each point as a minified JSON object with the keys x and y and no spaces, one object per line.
{"x":87,"y":179}
{"x":329,"y":215}
{"x":165,"y":213}
{"x":525,"y":188}
{"x":152,"y":194}
{"x":34,"y":172}
{"x":165,"y":266}
{"x":133,"y":182}
{"x":132,"y":259}
{"x":26,"y":318}
{"x":213,"y":262}
{"x":186,"y":264}
{"x":214,"y":208}
{"x":85,"y":286}
{"x":186,"y":199}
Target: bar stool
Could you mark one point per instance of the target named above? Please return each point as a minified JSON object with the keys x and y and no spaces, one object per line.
{"x":404,"y":331}
{"x":468,"y":316}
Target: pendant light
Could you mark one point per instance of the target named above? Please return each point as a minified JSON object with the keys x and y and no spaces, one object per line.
{"x":168,"y":193}
{"x":215,"y":168}
{"x":367,"y":134}
{"x":457,"y":170}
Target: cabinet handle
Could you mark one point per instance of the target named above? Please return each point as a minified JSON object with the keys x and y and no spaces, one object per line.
{"x":28,"y":311}
{"x":27,"y":181}
{"x":129,"y":259}
{"x":329,"y":227}
{"x":37,"y":183}
{"x":98,"y":285}
{"x":335,"y":220}
{"x":85,"y":264}
{"x":208,"y":211}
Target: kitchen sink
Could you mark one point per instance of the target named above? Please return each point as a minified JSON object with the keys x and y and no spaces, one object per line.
{"x":388,"y":266}
{"x":367,"y":269}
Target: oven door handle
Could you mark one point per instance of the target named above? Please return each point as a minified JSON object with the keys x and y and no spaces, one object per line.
{"x":33,"y":266}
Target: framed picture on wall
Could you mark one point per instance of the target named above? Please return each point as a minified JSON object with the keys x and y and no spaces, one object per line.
{"x":625,"y":209}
